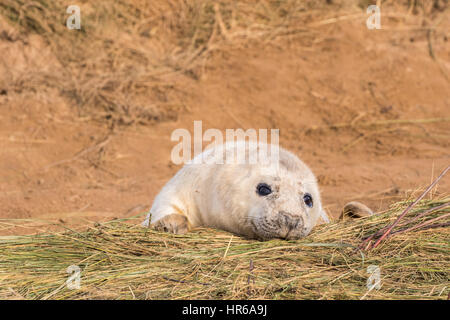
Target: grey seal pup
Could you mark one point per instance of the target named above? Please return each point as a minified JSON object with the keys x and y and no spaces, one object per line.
{"x":272,"y":197}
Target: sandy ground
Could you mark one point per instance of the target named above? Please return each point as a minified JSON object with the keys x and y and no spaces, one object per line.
{"x":324,"y":94}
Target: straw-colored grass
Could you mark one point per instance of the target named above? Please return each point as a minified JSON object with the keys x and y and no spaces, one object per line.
{"x":119,"y":260}
{"x":129,"y":59}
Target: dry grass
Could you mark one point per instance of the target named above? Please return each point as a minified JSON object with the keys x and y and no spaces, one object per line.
{"x":124,"y":261}
{"x":126,"y":62}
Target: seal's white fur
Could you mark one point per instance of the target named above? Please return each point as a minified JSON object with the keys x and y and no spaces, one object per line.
{"x":224,"y":196}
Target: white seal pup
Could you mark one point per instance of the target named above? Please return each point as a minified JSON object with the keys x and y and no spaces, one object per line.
{"x":262,"y":199}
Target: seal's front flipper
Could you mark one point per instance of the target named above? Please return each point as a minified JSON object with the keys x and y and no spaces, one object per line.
{"x":355,"y":209}
{"x":174,"y":223}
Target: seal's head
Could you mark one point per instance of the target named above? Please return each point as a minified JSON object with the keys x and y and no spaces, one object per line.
{"x":284,"y":200}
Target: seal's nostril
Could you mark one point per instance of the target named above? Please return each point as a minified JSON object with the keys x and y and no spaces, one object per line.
{"x":299,"y":222}
{"x":291,"y":221}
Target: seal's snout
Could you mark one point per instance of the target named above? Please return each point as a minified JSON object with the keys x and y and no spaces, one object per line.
{"x":291,"y":221}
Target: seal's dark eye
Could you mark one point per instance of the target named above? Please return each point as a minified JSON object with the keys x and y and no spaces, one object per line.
{"x":263,"y":189}
{"x":308,"y":200}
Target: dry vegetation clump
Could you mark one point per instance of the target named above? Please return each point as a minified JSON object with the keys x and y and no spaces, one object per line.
{"x":126,"y":61}
{"x":120,"y":260}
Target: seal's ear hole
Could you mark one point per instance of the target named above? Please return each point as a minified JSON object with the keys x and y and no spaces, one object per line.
{"x":308,"y":200}
{"x":263,"y":189}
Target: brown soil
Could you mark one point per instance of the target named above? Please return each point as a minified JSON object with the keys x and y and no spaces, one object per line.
{"x":322,"y":90}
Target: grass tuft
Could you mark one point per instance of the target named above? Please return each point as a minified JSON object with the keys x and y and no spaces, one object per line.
{"x":119,"y":260}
